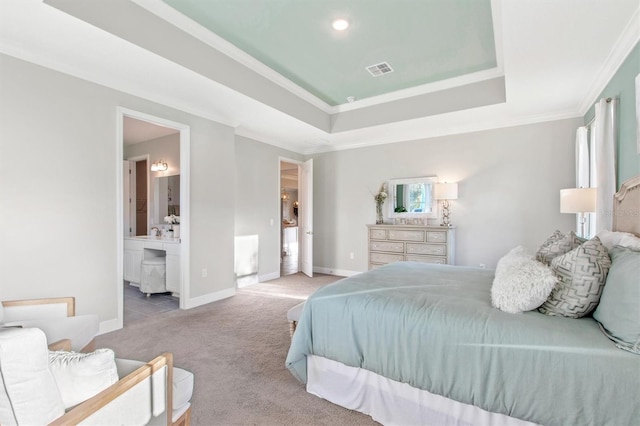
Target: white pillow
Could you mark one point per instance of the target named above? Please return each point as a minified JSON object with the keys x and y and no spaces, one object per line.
{"x":521,"y":283}
{"x":28,"y":392}
{"x":80,"y":376}
{"x":611,"y":239}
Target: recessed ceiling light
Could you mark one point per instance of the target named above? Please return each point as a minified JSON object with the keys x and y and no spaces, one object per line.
{"x":340,"y":24}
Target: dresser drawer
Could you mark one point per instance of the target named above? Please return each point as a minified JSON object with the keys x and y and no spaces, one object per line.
{"x":377,"y":234}
{"x":429,"y":249}
{"x":406,"y":235}
{"x":391,"y":246}
{"x":436,"y":236}
{"x":385,"y":257}
{"x":427,"y":259}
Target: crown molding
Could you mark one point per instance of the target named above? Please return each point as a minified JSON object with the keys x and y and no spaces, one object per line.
{"x":463,"y":127}
{"x":621,"y":49}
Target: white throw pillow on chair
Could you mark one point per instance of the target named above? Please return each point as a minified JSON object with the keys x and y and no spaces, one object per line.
{"x":28,"y":392}
{"x":80,"y":376}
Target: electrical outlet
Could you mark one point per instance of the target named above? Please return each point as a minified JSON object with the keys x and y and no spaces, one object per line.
{"x":482,"y":266}
{"x":204,"y":272}
{"x":352,"y":255}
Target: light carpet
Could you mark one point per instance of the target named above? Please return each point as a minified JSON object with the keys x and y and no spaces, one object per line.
{"x":236,"y":348}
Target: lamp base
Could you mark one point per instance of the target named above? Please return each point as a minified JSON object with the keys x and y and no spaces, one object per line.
{"x":445,"y":214}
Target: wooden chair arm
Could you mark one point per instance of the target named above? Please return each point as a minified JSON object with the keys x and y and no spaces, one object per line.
{"x":70,"y":301}
{"x":85,"y":409}
{"x":61,"y":345}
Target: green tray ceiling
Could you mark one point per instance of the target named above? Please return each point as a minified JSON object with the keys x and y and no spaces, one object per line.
{"x":424,"y":41}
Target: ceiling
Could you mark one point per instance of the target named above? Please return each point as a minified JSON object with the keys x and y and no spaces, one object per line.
{"x":276,"y":71}
{"x":135,"y":131}
{"x":422,"y":41}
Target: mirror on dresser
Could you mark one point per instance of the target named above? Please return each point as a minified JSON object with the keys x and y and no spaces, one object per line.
{"x":412,"y":198}
{"x":166,"y":197}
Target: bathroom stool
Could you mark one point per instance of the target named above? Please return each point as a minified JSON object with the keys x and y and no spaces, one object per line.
{"x":153,"y":275}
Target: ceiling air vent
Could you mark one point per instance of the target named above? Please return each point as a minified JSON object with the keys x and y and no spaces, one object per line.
{"x":379,"y":69}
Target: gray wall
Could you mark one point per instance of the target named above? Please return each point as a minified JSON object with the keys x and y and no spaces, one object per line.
{"x":58,"y":190}
{"x":509,"y":182}
{"x":258,"y":199}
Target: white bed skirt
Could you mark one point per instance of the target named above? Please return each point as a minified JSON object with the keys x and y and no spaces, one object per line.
{"x":390,"y":402}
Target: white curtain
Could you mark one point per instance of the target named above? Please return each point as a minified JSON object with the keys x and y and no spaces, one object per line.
{"x":583,"y":172}
{"x":605,"y":161}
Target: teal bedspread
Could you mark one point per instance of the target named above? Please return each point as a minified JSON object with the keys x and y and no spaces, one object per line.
{"x":433,"y":327}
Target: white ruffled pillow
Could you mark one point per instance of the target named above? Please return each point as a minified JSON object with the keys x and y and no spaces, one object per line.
{"x":610,"y":239}
{"x":521,"y":283}
{"x":80,"y":376}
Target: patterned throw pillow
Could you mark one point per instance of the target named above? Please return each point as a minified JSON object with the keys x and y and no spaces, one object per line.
{"x":557,"y":245}
{"x":581,"y":276}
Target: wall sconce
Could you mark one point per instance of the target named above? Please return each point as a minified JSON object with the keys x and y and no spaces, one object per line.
{"x":284,"y":195}
{"x":580,"y":201}
{"x":159,"y":166}
{"x":446,"y":192}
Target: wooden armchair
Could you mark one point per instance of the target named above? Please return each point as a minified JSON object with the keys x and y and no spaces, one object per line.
{"x":56,"y":317}
{"x":32,"y":388}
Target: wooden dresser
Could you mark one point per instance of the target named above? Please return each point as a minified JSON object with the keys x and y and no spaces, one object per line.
{"x":393,"y":243}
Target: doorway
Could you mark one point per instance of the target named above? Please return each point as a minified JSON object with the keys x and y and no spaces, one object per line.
{"x":289,"y":204}
{"x":138,"y":182}
{"x":296,"y":216}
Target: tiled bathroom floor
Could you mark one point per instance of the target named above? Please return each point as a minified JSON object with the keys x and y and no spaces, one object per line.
{"x":137,"y":306}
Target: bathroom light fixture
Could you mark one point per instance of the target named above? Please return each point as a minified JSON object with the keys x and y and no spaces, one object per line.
{"x":446,"y":192}
{"x":340,"y":24}
{"x":284,"y":195}
{"x":159,"y":166}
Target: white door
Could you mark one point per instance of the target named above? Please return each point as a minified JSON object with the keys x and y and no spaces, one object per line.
{"x":126,"y":197}
{"x":306,"y":218}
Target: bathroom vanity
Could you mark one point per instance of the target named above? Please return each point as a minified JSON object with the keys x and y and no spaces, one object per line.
{"x":138,"y":248}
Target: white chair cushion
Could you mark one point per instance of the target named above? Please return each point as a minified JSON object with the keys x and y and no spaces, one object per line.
{"x":182,"y":382}
{"x":80,"y":329}
{"x":294,"y":313}
{"x":80,"y":376}
{"x":182,"y":388}
{"x":28,"y":391}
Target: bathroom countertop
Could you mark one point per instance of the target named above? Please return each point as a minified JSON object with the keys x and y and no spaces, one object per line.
{"x":150,"y":238}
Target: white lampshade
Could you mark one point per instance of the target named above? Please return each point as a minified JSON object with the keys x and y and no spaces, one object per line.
{"x":578,"y":200}
{"x":446,"y":191}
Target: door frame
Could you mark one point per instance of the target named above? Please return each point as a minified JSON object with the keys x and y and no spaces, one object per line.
{"x":185,"y":160}
{"x":299,"y":163}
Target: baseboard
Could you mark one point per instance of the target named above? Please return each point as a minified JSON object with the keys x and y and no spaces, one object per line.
{"x":109,"y":326}
{"x":269,"y":277}
{"x":247,"y":280}
{"x":208,"y":298}
{"x":337,"y":272}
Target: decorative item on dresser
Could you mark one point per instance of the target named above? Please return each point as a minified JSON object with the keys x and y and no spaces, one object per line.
{"x":427,"y":244}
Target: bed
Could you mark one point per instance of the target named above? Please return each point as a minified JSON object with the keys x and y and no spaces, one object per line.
{"x":412,"y":343}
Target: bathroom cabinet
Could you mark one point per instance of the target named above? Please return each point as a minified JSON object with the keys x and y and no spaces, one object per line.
{"x":134,"y":252}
